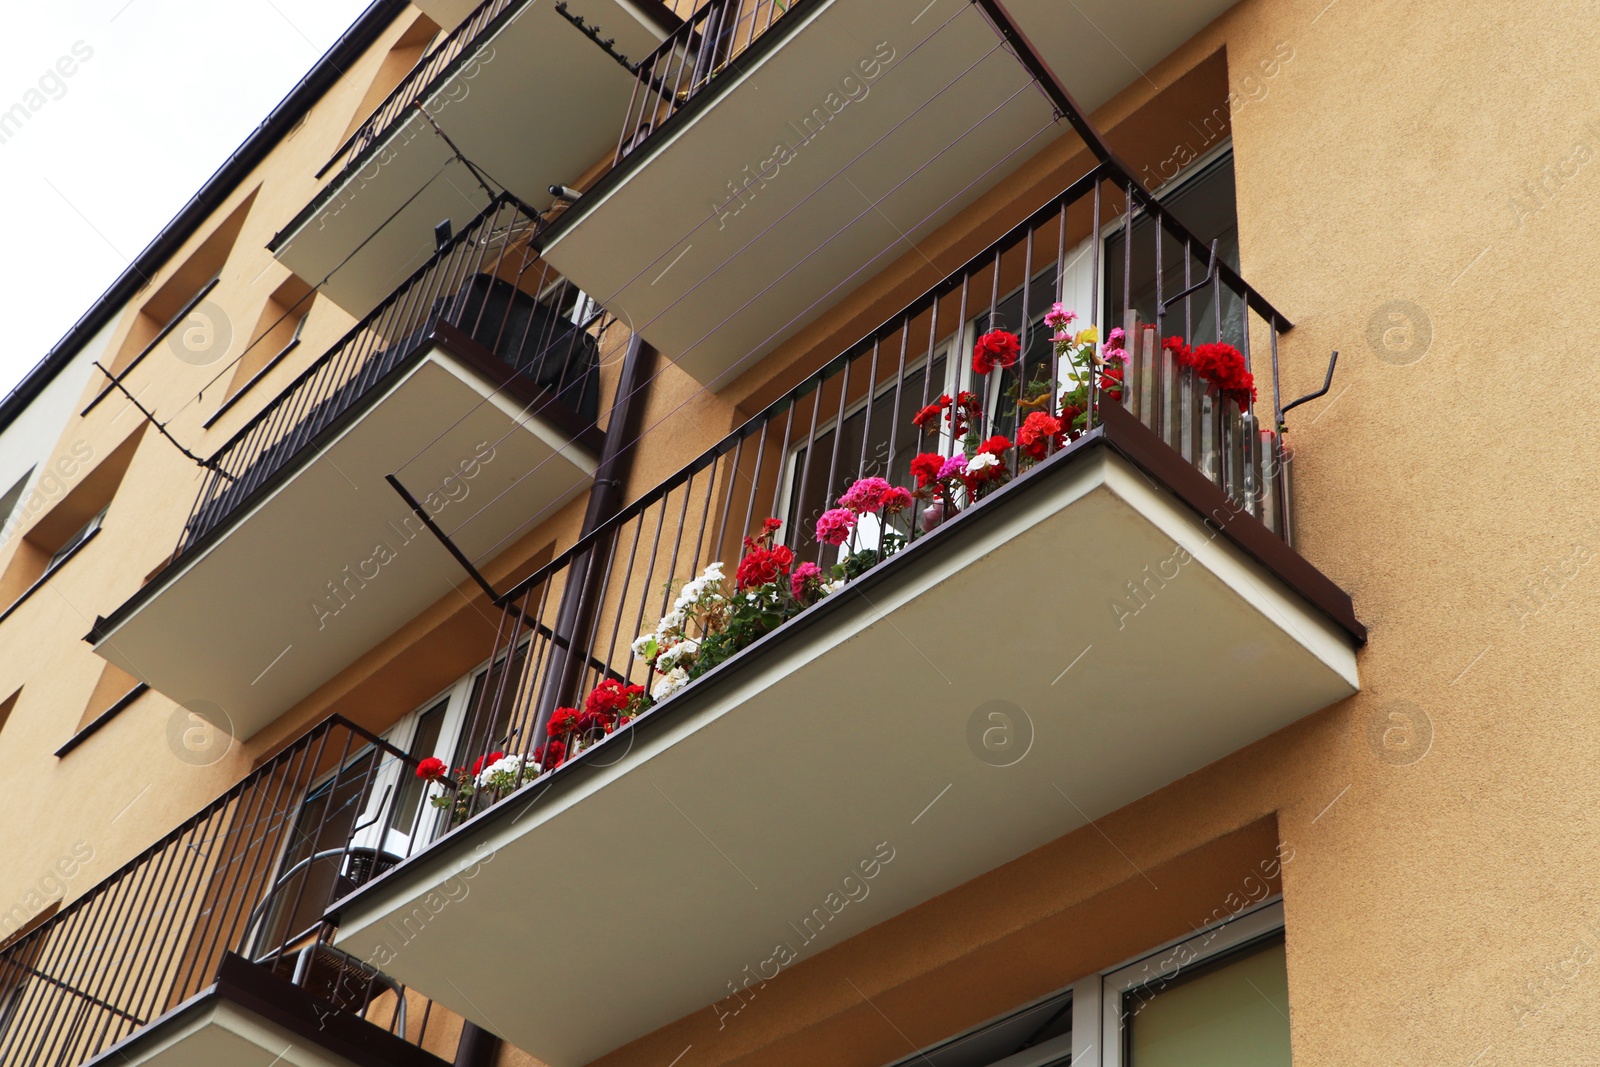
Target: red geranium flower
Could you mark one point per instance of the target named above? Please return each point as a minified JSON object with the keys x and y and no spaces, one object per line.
{"x":764,"y":565}
{"x":1222,"y":366}
{"x":771,"y":526}
{"x":930,"y":413}
{"x":484,"y":761}
{"x":996,"y":446}
{"x":997,"y":348}
{"x":925,"y":468}
{"x":563,"y":720}
{"x":1039,"y":431}
{"x":555,"y":750}
{"x":431,"y":769}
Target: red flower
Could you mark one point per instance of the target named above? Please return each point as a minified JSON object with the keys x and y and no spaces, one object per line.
{"x":925,"y":468}
{"x":1111,"y":383}
{"x":563,"y":720}
{"x":997,"y":348}
{"x":929,"y":414}
{"x":770,"y":526}
{"x":764,"y":565}
{"x":996,"y":446}
{"x":1039,"y":432}
{"x":484,"y":761}
{"x":431,"y":769}
{"x":1222,"y":366}
{"x":555,"y":750}
{"x":1180,"y":351}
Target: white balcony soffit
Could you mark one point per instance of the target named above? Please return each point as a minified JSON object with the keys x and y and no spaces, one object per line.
{"x":537,"y":105}
{"x":705,"y":843}
{"x":822,"y":162}
{"x":332,"y":561}
{"x":217,"y":1032}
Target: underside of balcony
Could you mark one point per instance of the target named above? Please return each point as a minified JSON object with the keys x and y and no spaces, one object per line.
{"x":251,"y":1018}
{"x":1095,"y":631}
{"x":841,"y":137}
{"x":519,"y":103}
{"x":303,"y":572}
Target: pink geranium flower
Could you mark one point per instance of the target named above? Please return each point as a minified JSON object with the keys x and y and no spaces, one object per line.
{"x":834,"y":526}
{"x":864,"y":496}
{"x":1058,"y":317}
{"x":953,"y":467}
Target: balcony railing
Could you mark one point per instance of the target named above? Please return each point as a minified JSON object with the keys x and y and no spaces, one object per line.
{"x":691,"y":58}
{"x":571,"y":626}
{"x":447,"y":57}
{"x":488,"y":282}
{"x":249,"y":876}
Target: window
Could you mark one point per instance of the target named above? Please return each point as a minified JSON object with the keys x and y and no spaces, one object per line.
{"x":88,"y":530}
{"x":1220,"y":999}
{"x":64,"y":530}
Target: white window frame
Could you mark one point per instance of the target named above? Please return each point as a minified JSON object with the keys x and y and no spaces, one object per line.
{"x":1098,"y":1035}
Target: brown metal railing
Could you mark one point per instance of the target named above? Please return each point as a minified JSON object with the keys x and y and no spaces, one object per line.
{"x":489,"y":282}
{"x":251,"y":874}
{"x":691,"y":58}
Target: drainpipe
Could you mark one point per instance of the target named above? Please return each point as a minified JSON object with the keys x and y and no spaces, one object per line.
{"x":477,"y":1047}
{"x":576,"y":615}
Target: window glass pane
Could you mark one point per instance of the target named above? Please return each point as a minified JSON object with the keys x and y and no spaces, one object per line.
{"x":412,"y":788}
{"x":1236,"y":1015}
{"x":1205,"y":204}
{"x":494,"y":733}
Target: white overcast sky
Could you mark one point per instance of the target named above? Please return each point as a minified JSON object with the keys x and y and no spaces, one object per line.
{"x":172,"y":88}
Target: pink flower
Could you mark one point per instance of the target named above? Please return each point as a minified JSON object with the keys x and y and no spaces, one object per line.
{"x":834,"y":526}
{"x":804,"y":575}
{"x":1119,"y":355}
{"x":1116,"y":337}
{"x":932,"y":516}
{"x":1062,"y":338}
{"x":1058,"y":317}
{"x":896,"y":499}
{"x":953,"y":467}
{"x":866,"y":495}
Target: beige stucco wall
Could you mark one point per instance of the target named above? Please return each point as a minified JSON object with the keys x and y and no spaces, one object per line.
{"x":1439,"y":903}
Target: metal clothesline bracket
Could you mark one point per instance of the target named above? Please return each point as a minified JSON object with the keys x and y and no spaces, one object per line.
{"x":1211,"y":276}
{"x":1327,"y":383}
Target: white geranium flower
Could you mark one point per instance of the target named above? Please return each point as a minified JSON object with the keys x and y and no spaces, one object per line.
{"x":675,"y":655}
{"x":508,"y":765}
{"x":670,"y":683}
{"x":982,"y":462}
{"x":713,"y":573}
{"x":643,"y":644}
{"x":829,"y":588}
{"x":671,"y":622}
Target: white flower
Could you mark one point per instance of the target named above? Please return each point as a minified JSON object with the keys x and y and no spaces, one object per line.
{"x":677,"y":654}
{"x":829,"y":588}
{"x":643,"y":644}
{"x":670,"y":683}
{"x":982,"y":462}
{"x":511,"y":765}
{"x":671,"y":622}
{"x":713,"y":573}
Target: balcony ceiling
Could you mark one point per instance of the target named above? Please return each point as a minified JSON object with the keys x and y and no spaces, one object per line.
{"x":220,"y":1032}
{"x":251,"y":624}
{"x":532,"y":109}
{"x":716,"y":280}
{"x":709,"y":838}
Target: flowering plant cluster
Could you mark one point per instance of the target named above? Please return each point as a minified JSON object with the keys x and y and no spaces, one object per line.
{"x":495,"y":773}
{"x":1220,"y":366}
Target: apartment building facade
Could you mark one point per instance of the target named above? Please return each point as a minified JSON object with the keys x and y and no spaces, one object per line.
{"x":752,"y":532}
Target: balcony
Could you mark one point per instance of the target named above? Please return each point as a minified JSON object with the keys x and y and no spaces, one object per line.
{"x":207,"y":947}
{"x":476,"y":384}
{"x":1040,"y":642}
{"x":774,"y":155}
{"x":501,"y":86}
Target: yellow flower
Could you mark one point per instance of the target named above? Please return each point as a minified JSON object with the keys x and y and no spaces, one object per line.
{"x":1087,"y":336}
